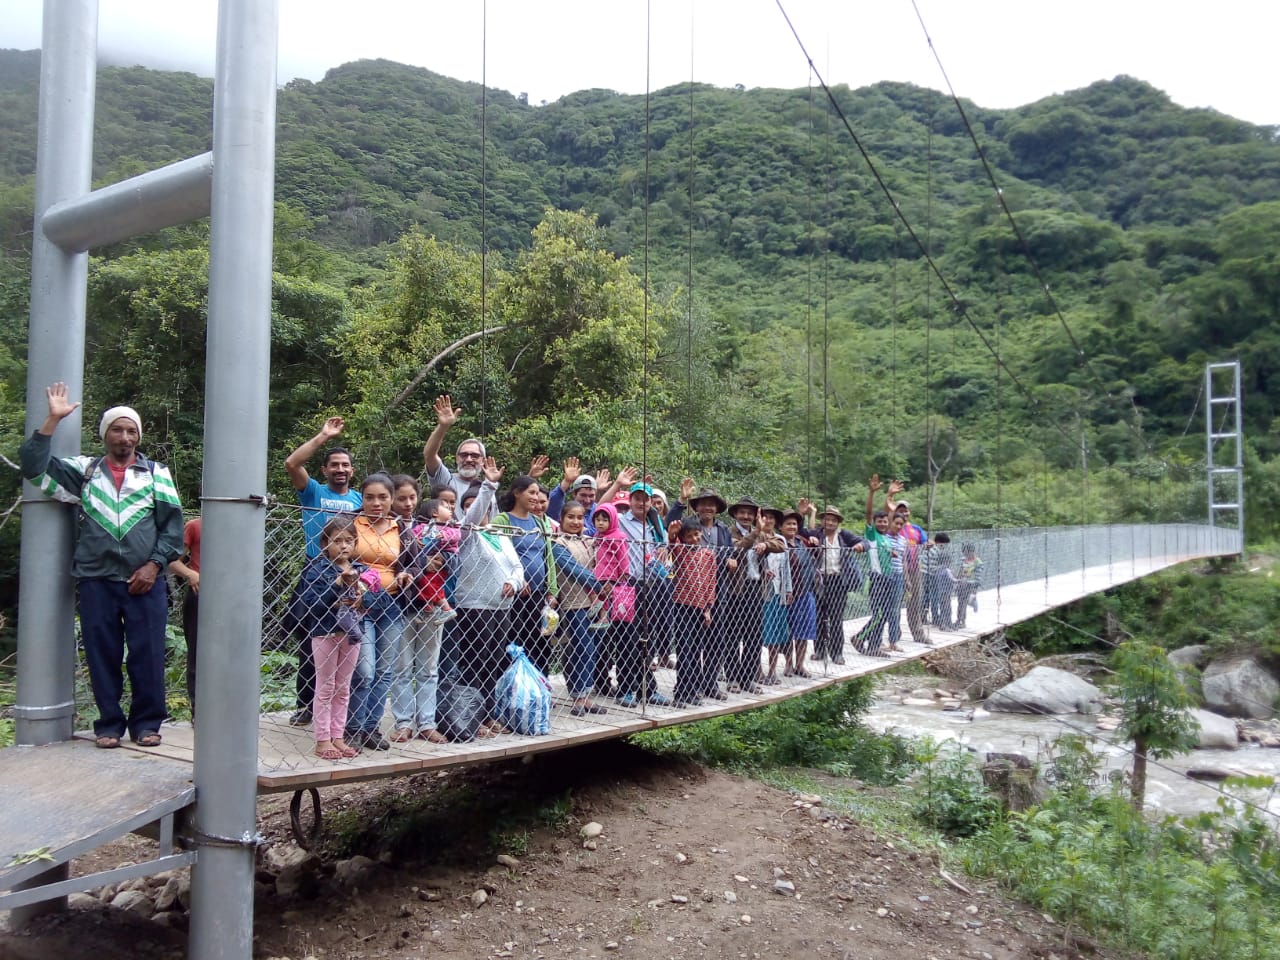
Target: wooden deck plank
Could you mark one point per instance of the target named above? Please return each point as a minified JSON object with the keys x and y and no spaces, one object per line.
{"x":69,"y":797}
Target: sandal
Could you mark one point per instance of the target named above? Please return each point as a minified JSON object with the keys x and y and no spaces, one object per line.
{"x":107,"y":742}
{"x":149,"y":739}
{"x":401,"y":735}
{"x":431,"y":735}
{"x":329,"y":753}
{"x":346,"y":749}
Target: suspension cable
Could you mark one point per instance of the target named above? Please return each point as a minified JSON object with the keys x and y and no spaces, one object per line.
{"x":958,"y":306}
{"x":1081,"y":353}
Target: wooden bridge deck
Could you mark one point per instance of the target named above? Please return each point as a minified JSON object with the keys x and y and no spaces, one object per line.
{"x":286,"y":761}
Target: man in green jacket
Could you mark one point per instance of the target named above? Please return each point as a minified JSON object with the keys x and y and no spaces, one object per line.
{"x":128,"y":529}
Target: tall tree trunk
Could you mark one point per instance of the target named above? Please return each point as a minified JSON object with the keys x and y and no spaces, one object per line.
{"x":1138,"y":785}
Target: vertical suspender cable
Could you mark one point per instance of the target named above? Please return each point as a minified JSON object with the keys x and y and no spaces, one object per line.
{"x":645,"y":678}
{"x":893,"y":331}
{"x":999,"y":471}
{"x":484,"y":217}
{"x":929,"y":425}
{"x":808,"y":319}
{"x":688,"y":347}
{"x":829,"y":471}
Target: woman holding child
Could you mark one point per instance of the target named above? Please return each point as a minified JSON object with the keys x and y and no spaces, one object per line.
{"x":378,"y":546}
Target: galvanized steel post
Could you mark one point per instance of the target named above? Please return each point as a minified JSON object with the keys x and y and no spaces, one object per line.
{"x":235,"y":469}
{"x":55,"y":351}
{"x":45,"y":707}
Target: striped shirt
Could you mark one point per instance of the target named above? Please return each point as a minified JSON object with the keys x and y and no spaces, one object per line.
{"x":884,"y":551}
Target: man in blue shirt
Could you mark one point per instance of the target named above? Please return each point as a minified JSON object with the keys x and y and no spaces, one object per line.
{"x":320,"y":502}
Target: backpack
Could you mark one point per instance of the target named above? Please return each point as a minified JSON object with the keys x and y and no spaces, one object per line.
{"x":297,"y":614}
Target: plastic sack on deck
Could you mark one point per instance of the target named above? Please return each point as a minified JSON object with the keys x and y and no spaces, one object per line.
{"x":523,"y":696}
{"x":459,"y":712}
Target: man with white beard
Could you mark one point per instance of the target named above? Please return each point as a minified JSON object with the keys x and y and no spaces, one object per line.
{"x":470,"y":455}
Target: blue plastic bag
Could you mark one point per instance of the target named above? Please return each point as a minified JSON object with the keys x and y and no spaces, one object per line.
{"x":523,"y":696}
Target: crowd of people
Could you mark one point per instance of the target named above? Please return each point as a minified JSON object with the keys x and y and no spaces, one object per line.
{"x":413,"y":587}
{"x":597,"y":576}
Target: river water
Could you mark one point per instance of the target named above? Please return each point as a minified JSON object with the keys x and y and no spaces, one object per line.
{"x":1168,"y":790}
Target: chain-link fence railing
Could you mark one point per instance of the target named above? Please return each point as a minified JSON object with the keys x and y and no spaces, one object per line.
{"x":403,"y":636}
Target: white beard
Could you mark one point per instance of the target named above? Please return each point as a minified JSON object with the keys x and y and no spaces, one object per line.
{"x":468,"y":473}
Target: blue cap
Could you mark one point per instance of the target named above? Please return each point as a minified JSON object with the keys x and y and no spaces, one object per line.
{"x":641,"y":487}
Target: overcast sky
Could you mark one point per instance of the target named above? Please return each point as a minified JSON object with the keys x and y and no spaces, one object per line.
{"x":998,"y":53}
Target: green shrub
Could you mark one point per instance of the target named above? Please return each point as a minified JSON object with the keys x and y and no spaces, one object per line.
{"x":950,"y":795}
{"x":1202,"y":888}
{"x":820,"y":729}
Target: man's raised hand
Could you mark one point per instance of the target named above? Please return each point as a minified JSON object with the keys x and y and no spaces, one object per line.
{"x":492,"y":472}
{"x":59,"y":405}
{"x":572,"y":470}
{"x":446,"y":412}
{"x":332,"y":428}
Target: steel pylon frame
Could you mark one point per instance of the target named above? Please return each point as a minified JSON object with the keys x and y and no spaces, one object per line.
{"x":1224,"y":445}
{"x":235,"y":186}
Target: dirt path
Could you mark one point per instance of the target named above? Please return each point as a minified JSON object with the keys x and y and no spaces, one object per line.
{"x":690,"y":863}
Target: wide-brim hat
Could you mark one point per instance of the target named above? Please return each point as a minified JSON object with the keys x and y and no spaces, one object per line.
{"x":709,"y":493}
{"x":788,"y":514}
{"x":773,"y":512}
{"x":744,"y":502}
{"x":830,"y":511}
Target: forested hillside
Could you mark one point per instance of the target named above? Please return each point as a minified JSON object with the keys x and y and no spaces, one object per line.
{"x":793,"y":338}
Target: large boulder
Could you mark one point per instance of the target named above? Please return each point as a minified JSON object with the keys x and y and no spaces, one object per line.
{"x":1193,"y":656}
{"x":1216,"y":731}
{"x":1240,"y":687}
{"x":1046,"y":690}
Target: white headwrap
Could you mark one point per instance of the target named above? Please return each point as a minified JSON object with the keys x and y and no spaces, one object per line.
{"x":114,"y":414}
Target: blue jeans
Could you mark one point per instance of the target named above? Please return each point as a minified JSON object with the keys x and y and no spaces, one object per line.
{"x":413,"y":691}
{"x":379,"y":653}
{"x":886,"y":604}
{"x":111,"y":619}
{"x":580,"y":661}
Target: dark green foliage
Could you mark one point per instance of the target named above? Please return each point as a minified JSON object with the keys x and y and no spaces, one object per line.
{"x":819,"y":729}
{"x":791,"y":340}
{"x":1199,"y":889}
{"x":1231,"y":608}
{"x":949,"y":793}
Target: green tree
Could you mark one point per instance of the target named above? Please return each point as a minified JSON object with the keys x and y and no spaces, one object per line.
{"x":576,"y":316}
{"x":1154,"y":708}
